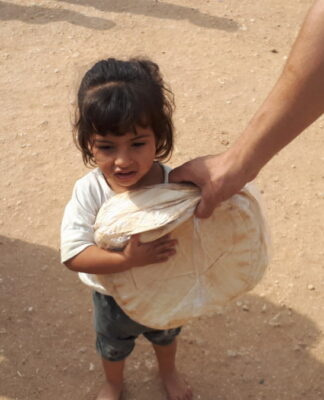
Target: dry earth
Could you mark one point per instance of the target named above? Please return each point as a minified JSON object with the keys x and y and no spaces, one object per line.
{"x":221,"y":58}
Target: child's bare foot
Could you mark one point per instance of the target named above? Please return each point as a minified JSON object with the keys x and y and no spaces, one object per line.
{"x":176,"y":387}
{"x":109,"y":391}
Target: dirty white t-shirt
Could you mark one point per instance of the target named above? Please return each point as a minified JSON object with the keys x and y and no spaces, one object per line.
{"x":77,"y":233}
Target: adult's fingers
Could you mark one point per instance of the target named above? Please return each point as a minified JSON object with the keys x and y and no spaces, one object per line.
{"x":184,"y":173}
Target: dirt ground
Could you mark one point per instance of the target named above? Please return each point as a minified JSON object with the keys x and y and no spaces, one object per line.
{"x":221,"y":59}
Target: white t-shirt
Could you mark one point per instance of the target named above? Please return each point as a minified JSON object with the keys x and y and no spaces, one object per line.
{"x":89,"y":194}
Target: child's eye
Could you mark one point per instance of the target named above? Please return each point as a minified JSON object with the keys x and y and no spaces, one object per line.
{"x":138,"y":144}
{"x":105,"y":147}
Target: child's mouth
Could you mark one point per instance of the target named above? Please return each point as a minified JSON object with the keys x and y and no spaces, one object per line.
{"x":125,"y":175}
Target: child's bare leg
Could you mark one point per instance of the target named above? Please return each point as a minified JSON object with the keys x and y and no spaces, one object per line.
{"x":175,"y":385}
{"x":112,"y":388}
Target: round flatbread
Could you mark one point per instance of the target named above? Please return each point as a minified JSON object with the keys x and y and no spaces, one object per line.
{"x":217,"y":259}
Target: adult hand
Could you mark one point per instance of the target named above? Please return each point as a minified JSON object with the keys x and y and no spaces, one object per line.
{"x":218,"y":177}
{"x":296,"y":101}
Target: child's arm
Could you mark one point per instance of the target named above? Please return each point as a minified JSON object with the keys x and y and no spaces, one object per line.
{"x":94,"y":260}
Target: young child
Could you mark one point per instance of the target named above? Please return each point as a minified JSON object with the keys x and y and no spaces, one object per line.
{"x":124,"y":128}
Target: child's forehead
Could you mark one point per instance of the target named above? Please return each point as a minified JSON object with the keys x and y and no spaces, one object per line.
{"x":110,"y":136}
{"x":129,"y":135}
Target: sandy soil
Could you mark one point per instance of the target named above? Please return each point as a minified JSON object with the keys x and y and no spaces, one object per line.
{"x":221,"y":58}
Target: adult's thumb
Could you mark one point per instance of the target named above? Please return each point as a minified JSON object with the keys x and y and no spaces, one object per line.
{"x":204,"y":209}
{"x":176,"y":175}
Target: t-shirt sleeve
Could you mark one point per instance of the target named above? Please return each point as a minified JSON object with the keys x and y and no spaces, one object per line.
{"x":79,"y":217}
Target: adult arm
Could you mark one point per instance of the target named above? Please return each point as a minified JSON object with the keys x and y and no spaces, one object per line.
{"x":296,"y":100}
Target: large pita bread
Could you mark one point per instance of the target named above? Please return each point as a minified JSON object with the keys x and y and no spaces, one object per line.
{"x":217,"y":259}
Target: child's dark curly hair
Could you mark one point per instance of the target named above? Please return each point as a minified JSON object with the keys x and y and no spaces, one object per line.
{"x":116,"y":96}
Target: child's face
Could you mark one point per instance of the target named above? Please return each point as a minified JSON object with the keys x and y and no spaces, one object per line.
{"x":126,"y":161}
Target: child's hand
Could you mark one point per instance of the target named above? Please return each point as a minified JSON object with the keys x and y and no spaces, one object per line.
{"x":138,"y":254}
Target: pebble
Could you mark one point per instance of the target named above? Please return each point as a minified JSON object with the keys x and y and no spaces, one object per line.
{"x":274,"y":321}
{"x":91,"y":367}
{"x":264,"y":308}
{"x":43,"y":123}
{"x":310,"y":287}
{"x":232,"y":353}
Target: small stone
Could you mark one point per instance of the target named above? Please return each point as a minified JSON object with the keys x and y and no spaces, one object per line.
{"x":274,"y":321}
{"x":91,"y":367}
{"x":30,"y":309}
{"x":264,"y":308}
{"x":245,"y":307}
{"x":232,"y":353}
{"x":310,"y":287}
{"x":261,"y":381}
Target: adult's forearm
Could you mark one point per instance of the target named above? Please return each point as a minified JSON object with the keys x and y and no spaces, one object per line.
{"x":295,"y":102}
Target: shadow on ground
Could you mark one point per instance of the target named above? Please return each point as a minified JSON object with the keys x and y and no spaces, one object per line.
{"x":47,"y":342}
{"x":150,"y":8}
{"x":43,"y":15}
{"x":156,"y":9}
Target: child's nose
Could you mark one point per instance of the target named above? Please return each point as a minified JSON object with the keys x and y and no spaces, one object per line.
{"x":122,"y":159}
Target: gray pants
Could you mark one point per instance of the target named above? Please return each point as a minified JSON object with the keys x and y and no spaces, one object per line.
{"x":116,"y":332}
